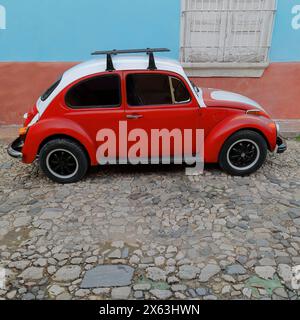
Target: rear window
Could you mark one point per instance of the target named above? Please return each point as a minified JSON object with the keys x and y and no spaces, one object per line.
{"x":97,"y":92}
{"x":48,"y":92}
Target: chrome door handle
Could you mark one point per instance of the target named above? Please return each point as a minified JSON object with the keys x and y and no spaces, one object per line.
{"x":134,"y":116}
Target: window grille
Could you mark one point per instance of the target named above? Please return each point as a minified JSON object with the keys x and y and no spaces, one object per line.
{"x":226,"y":31}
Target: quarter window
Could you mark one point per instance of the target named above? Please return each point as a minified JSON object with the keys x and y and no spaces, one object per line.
{"x":181,"y":94}
{"x":97,"y":92}
{"x":155,"y":89}
{"x":49,"y":91}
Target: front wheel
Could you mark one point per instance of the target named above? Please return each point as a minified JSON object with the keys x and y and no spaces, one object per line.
{"x":243,"y":153}
{"x":63,"y":161}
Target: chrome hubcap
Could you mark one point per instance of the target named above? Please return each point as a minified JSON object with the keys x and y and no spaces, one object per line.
{"x":62,"y":163}
{"x":243,"y":154}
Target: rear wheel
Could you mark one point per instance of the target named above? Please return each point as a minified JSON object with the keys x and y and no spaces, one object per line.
{"x":63,"y":161}
{"x":243,"y":153}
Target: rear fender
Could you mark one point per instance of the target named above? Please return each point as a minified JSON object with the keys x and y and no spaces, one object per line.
{"x":45,"y":129}
{"x":217,"y":137}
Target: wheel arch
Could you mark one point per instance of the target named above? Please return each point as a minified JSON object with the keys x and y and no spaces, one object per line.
{"x":215,"y":140}
{"x":241,"y":130}
{"x":251,"y":164}
{"x":250,"y":129}
{"x":64,"y":136}
{"x":48,"y":129}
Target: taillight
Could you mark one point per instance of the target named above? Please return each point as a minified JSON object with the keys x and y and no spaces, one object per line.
{"x":23,"y":131}
{"x":30,"y":115}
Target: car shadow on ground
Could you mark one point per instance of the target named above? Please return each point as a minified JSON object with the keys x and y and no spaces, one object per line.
{"x":147,"y":169}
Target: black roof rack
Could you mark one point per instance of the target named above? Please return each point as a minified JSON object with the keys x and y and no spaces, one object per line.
{"x":149,"y":51}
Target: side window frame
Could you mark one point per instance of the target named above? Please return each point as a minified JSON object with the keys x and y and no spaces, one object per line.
{"x":90,"y":77}
{"x":170,"y":77}
{"x":173,"y":91}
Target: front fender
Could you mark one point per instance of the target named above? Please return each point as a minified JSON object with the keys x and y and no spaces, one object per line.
{"x":219,"y":134}
{"x":44,"y":129}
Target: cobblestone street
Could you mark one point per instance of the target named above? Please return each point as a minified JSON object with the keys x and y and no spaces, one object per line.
{"x":161,"y":233}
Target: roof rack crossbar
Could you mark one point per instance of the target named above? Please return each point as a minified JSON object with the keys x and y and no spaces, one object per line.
{"x":149,"y":51}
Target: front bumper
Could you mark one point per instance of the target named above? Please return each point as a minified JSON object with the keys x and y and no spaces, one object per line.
{"x":15,"y":149}
{"x":281,"y":145}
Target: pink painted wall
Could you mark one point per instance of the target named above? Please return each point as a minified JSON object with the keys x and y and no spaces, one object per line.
{"x":278,"y":90}
{"x":21,"y":84}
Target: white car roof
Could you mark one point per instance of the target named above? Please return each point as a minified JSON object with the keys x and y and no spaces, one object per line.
{"x":121,"y":62}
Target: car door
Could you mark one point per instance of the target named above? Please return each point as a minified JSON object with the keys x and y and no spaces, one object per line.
{"x":160,"y":101}
{"x":95,"y":103}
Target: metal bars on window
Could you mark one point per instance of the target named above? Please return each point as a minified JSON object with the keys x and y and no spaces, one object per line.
{"x":226,"y":30}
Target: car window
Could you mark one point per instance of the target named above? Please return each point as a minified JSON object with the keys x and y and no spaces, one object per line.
{"x":97,"y":92}
{"x":181,"y":94}
{"x":50,"y":90}
{"x":148,"y":89}
{"x":155,"y":89}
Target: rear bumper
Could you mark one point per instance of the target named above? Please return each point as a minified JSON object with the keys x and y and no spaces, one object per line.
{"x":281,"y":145}
{"x":15,"y":149}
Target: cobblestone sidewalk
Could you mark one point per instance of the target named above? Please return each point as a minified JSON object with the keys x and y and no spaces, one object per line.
{"x":151,"y":232}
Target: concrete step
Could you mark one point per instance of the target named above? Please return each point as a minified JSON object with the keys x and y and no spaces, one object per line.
{"x":8,"y":133}
{"x":289,"y":128}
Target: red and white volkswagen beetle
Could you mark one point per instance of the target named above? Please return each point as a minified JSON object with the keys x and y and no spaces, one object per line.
{"x":148,"y":93}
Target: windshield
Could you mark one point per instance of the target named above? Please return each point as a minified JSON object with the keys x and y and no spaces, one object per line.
{"x":48,"y":92}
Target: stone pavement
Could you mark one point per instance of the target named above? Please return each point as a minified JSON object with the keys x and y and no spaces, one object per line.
{"x":151,"y":232}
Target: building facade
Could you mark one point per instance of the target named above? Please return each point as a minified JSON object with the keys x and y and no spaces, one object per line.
{"x":248,"y":46}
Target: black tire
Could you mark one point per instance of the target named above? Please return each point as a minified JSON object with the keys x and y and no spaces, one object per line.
{"x":63,"y":161}
{"x":243,"y":153}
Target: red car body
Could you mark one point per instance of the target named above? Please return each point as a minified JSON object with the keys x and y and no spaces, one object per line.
{"x":220,"y":119}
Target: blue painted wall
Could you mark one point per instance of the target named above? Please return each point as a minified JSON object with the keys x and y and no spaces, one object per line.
{"x":68,"y":30}
{"x":286,"y":36}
